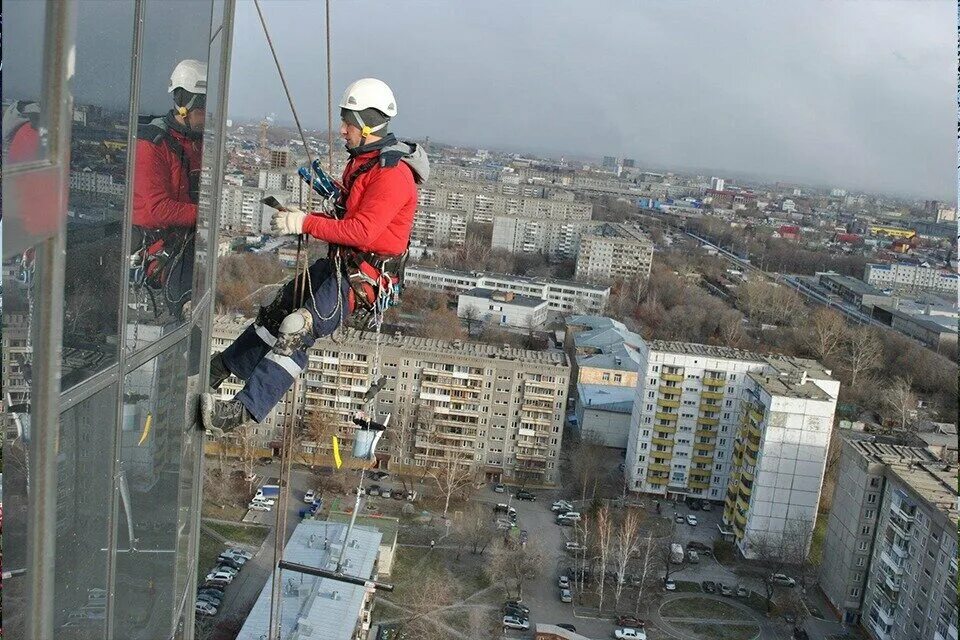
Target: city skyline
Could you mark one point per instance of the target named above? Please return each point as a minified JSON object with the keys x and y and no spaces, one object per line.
{"x":743,"y":91}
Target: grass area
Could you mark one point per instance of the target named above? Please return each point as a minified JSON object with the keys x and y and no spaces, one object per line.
{"x":659,"y":527}
{"x":724,"y":551}
{"x":210,"y":548}
{"x":229,"y":512}
{"x":758,"y":603}
{"x":819,"y":533}
{"x":251,"y":535}
{"x":718,"y":632}
{"x":700,"y":608}
{"x":688,"y":587}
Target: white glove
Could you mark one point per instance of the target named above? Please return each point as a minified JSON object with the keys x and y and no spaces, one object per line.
{"x":288,"y":222}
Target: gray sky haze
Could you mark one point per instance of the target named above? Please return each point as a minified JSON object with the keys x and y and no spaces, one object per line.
{"x":858,"y":94}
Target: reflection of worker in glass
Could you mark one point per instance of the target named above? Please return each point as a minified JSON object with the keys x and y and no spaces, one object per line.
{"x":21,"y":138}
{"x":166,"y":186}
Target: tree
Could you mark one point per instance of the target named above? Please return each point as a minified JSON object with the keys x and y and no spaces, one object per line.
{"x":900,"y":400}
{"x":471,"y":315}
{"x":513,"y":565}
{"x":454,"y":474}
{"x":433,"y":592}
{"x":825,"y":333}
{"x":645,"y":570}
{"x":587,"y":463}
{"x":246,"y":445}
{"x":442,"y":324}
{"x":862,"y":352}
{"x":604,"y":549}
{"x":625,"y":547}
{"x":777,"y":552}
{"x":319,"y":428}
{"x":477,"y":527}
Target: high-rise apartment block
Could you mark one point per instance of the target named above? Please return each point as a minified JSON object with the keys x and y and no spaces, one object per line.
{"x":436,"y":228}
{"x":725,"y":424}
{"x":556,"y":239}
{"x":853,"y":527}
{"x":497,"y":409}
{"x":565,"y":296}
{"x":481,"y":202}
{"x":614,"y":251}
{"x":280,"y":157}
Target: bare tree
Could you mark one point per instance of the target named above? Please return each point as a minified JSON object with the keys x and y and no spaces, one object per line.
{"x":477,"y":527}
{"x":472,"y":317}
{"x":862,"y":352}
{"x":604,"y":549}
{"x":900,"y":400}
{"x":514,"y":565}
{"x":246,"y":445}
{"x":625,"y":547}
{"x":582,"y":535}
{"x":825,"y":333}
{"x":665,"y":557}
{"x":645,"y":571}
{"x":777,"y":552}
{"x":319,"y":429}
{"x":454,"y":474}
{"x":587,"y":464}
{"x":431,"y":593}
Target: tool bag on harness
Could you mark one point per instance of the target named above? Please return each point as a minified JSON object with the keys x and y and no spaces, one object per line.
{"x":373,"y":280}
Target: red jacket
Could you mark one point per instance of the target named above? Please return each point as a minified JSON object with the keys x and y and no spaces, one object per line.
{"x":161,"y":187}
{"x":380,"y":209}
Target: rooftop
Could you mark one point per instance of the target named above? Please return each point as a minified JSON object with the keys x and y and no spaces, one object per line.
{"x":235,"y":324}
{"x":473,"y":275}
{"x":885,"y":449}
{"x":853,"y":284}
{"x":329,"y":608}
{"x":934,"y":482}
{"x":499,"y":296}
{"x":606,"y":397}
{"x":706,"y":350}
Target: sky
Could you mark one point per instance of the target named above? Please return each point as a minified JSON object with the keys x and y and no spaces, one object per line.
{"x":857,"y":94}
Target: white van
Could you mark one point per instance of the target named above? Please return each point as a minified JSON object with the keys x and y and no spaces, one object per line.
{"x":571,"y":515}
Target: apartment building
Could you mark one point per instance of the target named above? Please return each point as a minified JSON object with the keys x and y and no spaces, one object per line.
{"x":497,"y":409}
{"x":563,"y":296}
{"x":780,"y":455}
{"x":689,"y":433}
{"x":243,"y":211}
{"x":482,"y":202}
{"x":910,"y":278}
{"x":438,"y":228}
{"x":614,"y":251}
{"x":315,"y":607}
{"x":911,"y":590}
{"x":852,"y":525}
{"x":558,"y":239}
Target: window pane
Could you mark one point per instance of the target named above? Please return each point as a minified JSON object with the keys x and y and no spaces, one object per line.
{"x":22,"y":82}
{"x":173,"y":87}
{"x":152,"y":447}
{"x":98,"y":184}
{"x":85,"y":487}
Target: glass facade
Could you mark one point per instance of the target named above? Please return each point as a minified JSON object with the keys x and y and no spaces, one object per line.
{"x":101,"y":364}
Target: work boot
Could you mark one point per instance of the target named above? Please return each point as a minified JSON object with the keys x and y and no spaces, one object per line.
{"x":218,"y":370}
{"x":220,"y":417}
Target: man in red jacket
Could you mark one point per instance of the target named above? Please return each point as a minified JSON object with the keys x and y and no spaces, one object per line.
{"x":379,"y":199}
{"x":166,"y":184}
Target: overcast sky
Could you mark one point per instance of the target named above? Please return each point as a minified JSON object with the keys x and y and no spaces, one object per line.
{"x":847,"y":93}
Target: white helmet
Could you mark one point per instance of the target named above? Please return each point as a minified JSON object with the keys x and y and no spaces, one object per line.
{"x":369,"y":93}
{"x":189,"y":75}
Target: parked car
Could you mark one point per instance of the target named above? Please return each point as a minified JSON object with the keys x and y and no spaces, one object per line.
{"x":379,"y":475}
{"x":575,"y":546}
{"x":566,"y":595}
{"x":373,"y":490}
{"x":700,"y":548}
{"x":503,"y":508}
{"x":561,"y":506}
{"x":235,"y":558}
{"x":726,"y":591}
{"x":309,"y":496}
{"x":504,"y":525}
{"x":709,"y":586}
{"x":692,"y":520}
{"x":220,"y":576}
{"x":226,"y":569}
{"x":783,"y":580}
{"x":629,"y":633}
{"x":693,"y":557}
{"x":398,"y":494}
{"x":742,"y":591}
{"x":678,"y":518}
{"x":517,"y":604}
{"x":411,"y":494}
{"x":210,"y":599}
{"x":568,"y":627}
{"x":563,"y":582}
{"x":259,"y":506}
{"x":669,"y":584}
{"x":262,"y":500}
{"x":225,"y":561}
{"x":522,"y":494}
{"x":630,"y":621}
{"x":498,"y":488}
{"x":707,"y":506}
{"x":563,"y":521}
{"x":239,"y":552}
{"x":215,"y":584}
{"x":516,"y":612}
{"x":513,"y":622}
{"x":206,"y":609}
{"x":216,"y":592}
{"x":571,"y":515}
